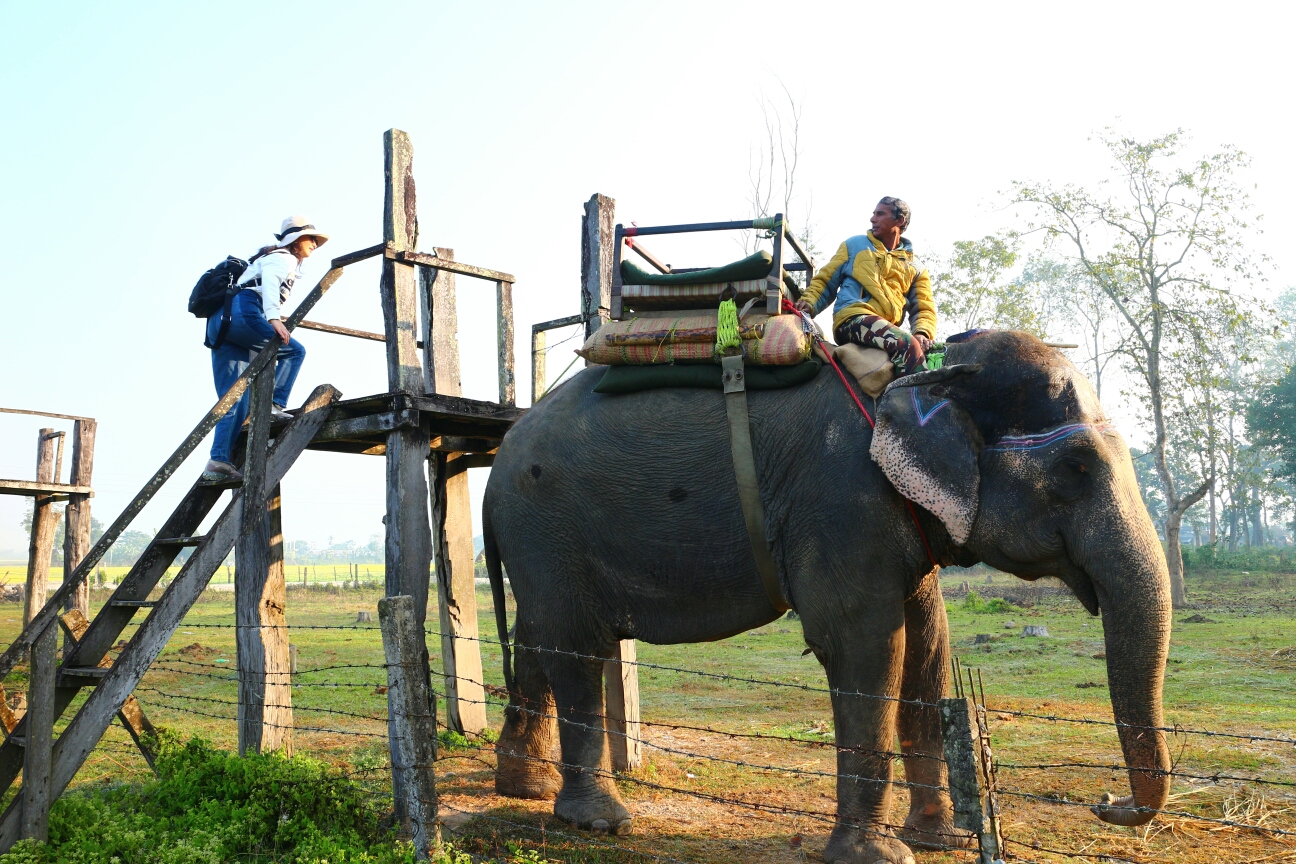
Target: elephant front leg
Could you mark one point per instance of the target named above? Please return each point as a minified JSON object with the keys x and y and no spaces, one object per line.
{"x":930,"y":823}
{"x":589,"y":798}
{"x":525,"y":753}
{"x":866,"y":661}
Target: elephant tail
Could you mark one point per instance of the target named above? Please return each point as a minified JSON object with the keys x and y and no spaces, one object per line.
{"x":495,"y":570}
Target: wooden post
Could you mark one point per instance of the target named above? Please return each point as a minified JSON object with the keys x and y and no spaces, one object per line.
{"x":457,"y":594}
{"x":596,"y":261}
{"x":76,"y":537}
{"x":413,"y":712}
{"x":399,"y":286}
{"x":539,"y":375}
{"x":259,"y":594}
{"x":621,"y":684}
{"x":38,"y":757}
{"x":452,"y":519}
{"x":408,"y":545}
{"x":44,"y":523}
{"x":504,"y":342}
{"x":964,"y":751}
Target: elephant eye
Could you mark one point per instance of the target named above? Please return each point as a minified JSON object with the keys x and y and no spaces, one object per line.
{"x":1076,"y":465}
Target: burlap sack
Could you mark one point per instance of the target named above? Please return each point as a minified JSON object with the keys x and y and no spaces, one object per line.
{"x":767,"y":341}
{"x":871,"y":367}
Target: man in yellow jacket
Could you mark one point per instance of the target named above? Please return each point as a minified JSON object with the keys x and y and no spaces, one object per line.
{"x":876,"y":283}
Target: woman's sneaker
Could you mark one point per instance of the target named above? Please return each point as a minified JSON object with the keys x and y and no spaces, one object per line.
{"x":220,"y":471}
{"x":278,"y":412}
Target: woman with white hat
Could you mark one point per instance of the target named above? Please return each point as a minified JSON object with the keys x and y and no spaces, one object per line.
{"x":255,"y":319}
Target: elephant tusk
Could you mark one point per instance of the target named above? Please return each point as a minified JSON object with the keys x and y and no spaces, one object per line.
{"x":1121,"y":811}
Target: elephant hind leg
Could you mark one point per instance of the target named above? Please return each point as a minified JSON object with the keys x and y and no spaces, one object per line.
{"x":526,"y":750}
{"x":930,"y":823}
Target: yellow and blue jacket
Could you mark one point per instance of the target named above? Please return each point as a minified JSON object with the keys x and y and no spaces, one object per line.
{"x":868,"y":279}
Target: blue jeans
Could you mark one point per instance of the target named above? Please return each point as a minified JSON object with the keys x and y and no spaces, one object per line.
{"x":248,"y":333}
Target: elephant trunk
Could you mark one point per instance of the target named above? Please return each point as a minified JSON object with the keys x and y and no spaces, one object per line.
{"x":1136,"y":626}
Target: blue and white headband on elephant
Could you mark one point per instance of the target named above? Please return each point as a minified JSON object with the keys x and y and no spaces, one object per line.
{"x":1037,"y":440}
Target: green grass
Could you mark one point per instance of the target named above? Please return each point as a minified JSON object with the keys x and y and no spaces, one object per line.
{"x":1230,"y":673}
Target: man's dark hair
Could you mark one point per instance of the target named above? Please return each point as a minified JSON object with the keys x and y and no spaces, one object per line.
{"x":899,"y":210}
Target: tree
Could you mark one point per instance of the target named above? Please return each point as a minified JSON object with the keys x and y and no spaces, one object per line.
{"x":1077,"y":300}
{"x":1168,"y":249}
{"x":1271,"y":417}
{"x":972,"y":290}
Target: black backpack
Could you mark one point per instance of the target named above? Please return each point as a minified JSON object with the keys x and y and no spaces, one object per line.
{"x":215,"y":292}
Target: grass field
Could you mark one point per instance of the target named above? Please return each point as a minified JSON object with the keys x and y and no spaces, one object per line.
{"x":1234,"y":671}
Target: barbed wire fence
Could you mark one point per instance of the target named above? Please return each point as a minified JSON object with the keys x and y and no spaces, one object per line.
{"x":988,"y":785}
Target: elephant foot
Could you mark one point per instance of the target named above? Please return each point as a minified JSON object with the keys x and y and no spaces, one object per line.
{"x":932,"y":827}
{"x":852,"y":846}
{"x":591,"y":807}
{"x":517,"y":777}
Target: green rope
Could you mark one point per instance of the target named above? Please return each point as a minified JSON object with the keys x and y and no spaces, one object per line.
{"x":936,"y":356}
{"x":766,"y":223}
{"x":727,"y":327}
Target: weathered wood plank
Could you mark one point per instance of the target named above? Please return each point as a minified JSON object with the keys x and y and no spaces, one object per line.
{"x":597,"y":232}
{"x":33,"y":488}
{"x":76,"y":535}
{"x":18,"y":648}
{"x":504,"y":342}
{"x":360,"y":428}
{"x":399,"y":284}
{"x":413,"y":740}
{"x":458,"y":444}
{"x":276,"y":710}
{"x":652,"y":259}
{"x":439,"y":262}
{"x":441,"y":373}
{"x":463,"y":461}
{"x":342,"y":331}
{"x":539,"y":372}
{"x":621,"y":685}
{"x":457,"y":595}
{"x":355,"y":257}
{"x":44,"y":522}
{"x":37,"y":794}
{"x":42,"y":414}
{"x":86,"y":728}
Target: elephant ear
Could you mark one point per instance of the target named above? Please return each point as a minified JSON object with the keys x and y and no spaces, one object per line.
{"x":928,"y":447}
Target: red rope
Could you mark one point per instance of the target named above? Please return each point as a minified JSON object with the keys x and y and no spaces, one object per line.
{"x":788,"y":307}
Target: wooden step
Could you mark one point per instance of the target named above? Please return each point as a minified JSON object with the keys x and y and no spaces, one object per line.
{"x":139,"y":604}
{"x":86,"y":671}
{"x":179,"y":541}
{"x":227,"y":483}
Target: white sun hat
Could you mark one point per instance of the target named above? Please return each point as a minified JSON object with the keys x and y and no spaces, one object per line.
{"x":296,"y":227}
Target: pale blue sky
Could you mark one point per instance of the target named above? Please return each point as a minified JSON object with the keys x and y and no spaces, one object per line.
{"x":141,"y":143}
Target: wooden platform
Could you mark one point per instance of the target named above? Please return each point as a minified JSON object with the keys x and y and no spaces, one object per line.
{"x":455,"y":424}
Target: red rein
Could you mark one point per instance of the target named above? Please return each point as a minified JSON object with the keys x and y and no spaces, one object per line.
{"x":788,"y":307}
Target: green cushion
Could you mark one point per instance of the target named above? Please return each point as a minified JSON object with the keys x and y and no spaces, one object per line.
{"x":632,"y":379}
{"x":754,"y":266}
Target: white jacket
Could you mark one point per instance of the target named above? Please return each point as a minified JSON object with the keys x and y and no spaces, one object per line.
{"x":277,"y":271}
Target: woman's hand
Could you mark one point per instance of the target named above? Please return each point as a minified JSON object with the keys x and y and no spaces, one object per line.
{"x":281,"y":330}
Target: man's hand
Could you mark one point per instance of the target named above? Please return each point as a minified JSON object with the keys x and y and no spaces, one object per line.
{"x":923,"y":342}
{"x":805,"y":307}
{"x":281,"y":330}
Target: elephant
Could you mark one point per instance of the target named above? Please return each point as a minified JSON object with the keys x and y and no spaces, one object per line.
{"x":618,"y":517}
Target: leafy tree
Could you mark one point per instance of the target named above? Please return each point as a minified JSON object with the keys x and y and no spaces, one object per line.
{"x":1271,"y":417}
{"x":972,"y":290}
{"x":1077,"y":300}
{"x":1168,"y":249}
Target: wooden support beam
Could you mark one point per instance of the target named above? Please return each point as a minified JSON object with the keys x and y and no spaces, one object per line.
{"x":439,"y":262}
{"x":354,"y":257}
{"x":621,"y":686}
{"x":44,"y":523}
{"x":597,"y":247}
{"x":360,"y":428}
{"x":131,"y":715}
{"x":258,"y":601}
{"x":457,"y":595}
{"x":35,"y":488}
{"x":440,"y":328}
{"x":399,"y":285}
{"x":37,"y":794}
{"x":413,"y":711}
{"x":539,"y":372}
{"x":342,"y":331}
{"x":76,"y":536}
{"x":504,"y":342}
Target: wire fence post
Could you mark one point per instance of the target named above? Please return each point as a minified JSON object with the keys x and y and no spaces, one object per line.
{"x":413,"y":722}
{"x":967,"y":750}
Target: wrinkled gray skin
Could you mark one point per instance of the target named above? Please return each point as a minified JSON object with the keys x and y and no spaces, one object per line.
{"x":618,"y":517}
